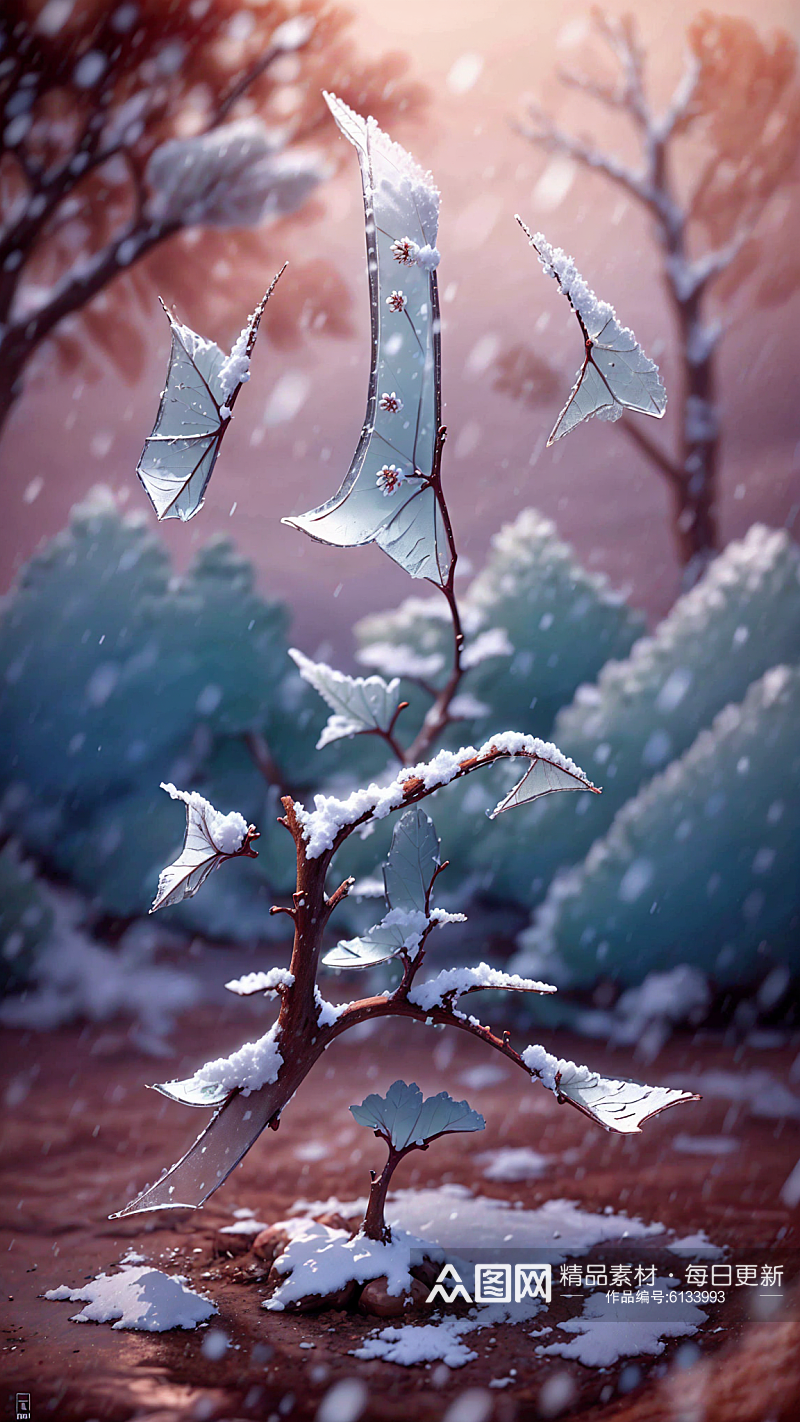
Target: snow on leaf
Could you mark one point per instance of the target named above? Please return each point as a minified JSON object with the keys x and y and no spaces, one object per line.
{"x":396,"y":932}
{"x":401,"y":207}
{"x":196,"y":405}
{"x":542,"y":777}
{"x":617,"y":1105}
{"x":404,"y":1118}
{"x":330,"y":815}
{"x":407,"y":876}
{"x":620,"y":1105}
{"x":453,"y":983}
{"x":359,"y":703}
{"x":210,"y":839}
{"x":616,"y":375}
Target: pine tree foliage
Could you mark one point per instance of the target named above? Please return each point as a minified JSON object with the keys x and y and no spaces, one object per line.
{"x":643,"y":712}
{"x":120,"y":675}
{"x":703,"y":865}
{"x":557,"y":623}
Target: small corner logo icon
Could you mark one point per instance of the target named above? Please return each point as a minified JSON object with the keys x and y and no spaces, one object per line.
{"x":23,"y":1407}
{"x":440,"y":1292}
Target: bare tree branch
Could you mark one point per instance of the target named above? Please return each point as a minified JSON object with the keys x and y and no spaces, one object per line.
{"x":551,"y":136}
{"x":662,"y":461}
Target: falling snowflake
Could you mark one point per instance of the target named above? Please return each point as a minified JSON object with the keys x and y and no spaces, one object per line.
{"x":389,"y":477}
{"x":392,"y":404}
{"x":405,"y":251}
{"x":397,"y":301}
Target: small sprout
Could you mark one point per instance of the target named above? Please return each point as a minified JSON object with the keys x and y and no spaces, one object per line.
{"x":406,"y":1122}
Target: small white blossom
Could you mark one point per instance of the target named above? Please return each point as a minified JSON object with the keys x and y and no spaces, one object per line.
{"x":397,"y":301}
{"x":389,"y":477}
{"x":405,"y":251}
{"x":391,"y":403}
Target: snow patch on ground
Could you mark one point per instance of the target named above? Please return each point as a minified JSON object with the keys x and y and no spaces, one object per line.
{"x":695,"y":1246}
{"x":422,"y":1343}
{"x":321,"y":1260}
{"x":512,"y":1163}
{"x":139,"y":1298}
{"x":604,"y":1333}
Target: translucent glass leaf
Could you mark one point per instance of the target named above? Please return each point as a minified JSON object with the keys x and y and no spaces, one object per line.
{"x":217,"y":1150}
{"x":542,"y":777}
{"x":192,"y":1093}
{"x":209,"y":840}
{"x":386,"y":497}
{"x":407,"y":875}
{"x":616,"y":375}
{"x":404,"y":1119}
{"x":384,"y":941}
{"x":359,"y":703}
{"x":620,"y":1105}
{"x":196,"y":405}
{"x":413,"y":861}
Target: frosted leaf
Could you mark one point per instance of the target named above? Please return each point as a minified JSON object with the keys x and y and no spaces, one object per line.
{"x":194,"y":1093}
{"x":619,"y":1106}
{"x":404,"y":1119}
{"x":196,"y":405}
{"x":395,"y":933}
{"x":616,"y":375}
{"x":542,"y":777}
{"x":402,"y":514}
{"x":210,"y":839}
{"x":407,"y":876}
{"x":359,"y":703}
{"x":412,"y":863}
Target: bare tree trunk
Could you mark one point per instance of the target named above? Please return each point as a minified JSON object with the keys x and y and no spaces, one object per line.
{"x":695,"y":495}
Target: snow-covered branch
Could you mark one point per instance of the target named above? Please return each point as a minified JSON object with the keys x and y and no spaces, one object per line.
{"x":550,"y":136}
{"x":326,"y":826}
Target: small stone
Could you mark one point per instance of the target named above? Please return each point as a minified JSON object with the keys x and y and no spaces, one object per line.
{"x":312,"y":1303}
{"x":333,"y":1221}
{"x":270,"y":1243}
{"x":426,"y":1271}
{"x":376,"y":1300}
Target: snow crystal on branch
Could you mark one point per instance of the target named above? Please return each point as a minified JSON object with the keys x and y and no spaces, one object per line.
{"x":330,"y":815}
{"x":227,"y":831}
{"x":454,"y":981}
{"x":235,"y":369}
{"x":272,"y":982}
{"x":594,"y":313}
{"x":254,"y":1065}
{"x":367,"y":134}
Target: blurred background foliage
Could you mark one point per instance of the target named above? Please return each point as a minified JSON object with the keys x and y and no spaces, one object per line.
{"x":120,"y":673}
{"x":182,"y":150}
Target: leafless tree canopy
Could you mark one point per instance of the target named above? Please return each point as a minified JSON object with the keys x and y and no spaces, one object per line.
{"x":104,"y":168}
{"x":738,"y":100}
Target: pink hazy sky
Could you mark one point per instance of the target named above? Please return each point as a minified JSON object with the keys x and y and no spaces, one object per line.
{"x":65,"y":437}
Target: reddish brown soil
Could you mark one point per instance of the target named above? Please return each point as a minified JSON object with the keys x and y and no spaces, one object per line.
{"x":87,"y":1136}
